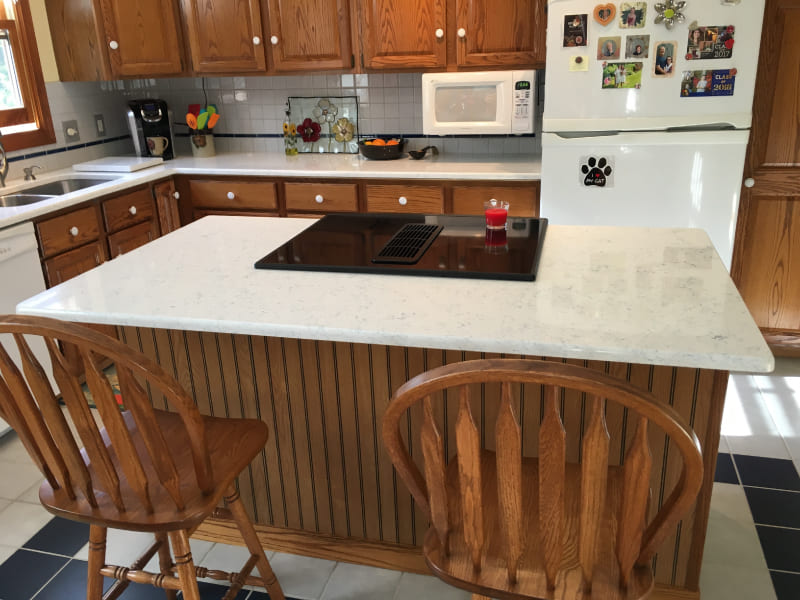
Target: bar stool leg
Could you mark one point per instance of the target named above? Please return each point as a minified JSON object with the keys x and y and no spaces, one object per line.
{"x":185,"y":564}
{"x":97,"y":560}
{"x":165,"y":561}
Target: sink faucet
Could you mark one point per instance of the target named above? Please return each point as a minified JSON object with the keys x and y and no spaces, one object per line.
{"x":29,"y":176}
{"x":3,"y":163}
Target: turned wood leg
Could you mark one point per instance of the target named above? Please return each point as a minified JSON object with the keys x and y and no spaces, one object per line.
{"x":165,"y":561}
{"x":242,"y":519}
{"x":184,"y":564}
{"x":97,"y":560}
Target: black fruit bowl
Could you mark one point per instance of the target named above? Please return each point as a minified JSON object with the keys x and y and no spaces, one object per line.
{"x":382,"y":152}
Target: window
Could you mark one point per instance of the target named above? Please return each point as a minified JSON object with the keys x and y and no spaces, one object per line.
{"x":24,"y":113}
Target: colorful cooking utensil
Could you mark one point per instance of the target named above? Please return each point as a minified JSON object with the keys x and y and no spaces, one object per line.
{"x":194,"y":109}
{"x":212,"y":120}
{"x":191,"y":120}
{"x":202,"y":119}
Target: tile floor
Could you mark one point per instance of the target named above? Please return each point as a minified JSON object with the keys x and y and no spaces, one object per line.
{"x":752,"y":549}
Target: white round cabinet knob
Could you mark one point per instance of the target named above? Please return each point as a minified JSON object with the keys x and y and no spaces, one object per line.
{"x":231,"y":195}
{"x":402,"y":200}
{"x":176,"y":195}
{"x":440,"y":33}
{"x":132,"y":210}
{"x":73,"y":231}
{"x":274,"y":40}
{"x":319,"y":199}
{"x":462,"y":33}
{"x":749,"y":182}
{"x":113,"y":44}
{"x":256,"y":40}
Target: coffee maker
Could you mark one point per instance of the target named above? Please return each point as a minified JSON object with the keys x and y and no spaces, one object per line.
{"x":151,"y":128}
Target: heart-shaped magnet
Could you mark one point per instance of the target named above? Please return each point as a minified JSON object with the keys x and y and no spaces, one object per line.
{"x":605,"y":13}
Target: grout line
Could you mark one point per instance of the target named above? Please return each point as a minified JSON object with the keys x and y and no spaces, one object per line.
{"x":761,"y":487}
{"x":776,"y":526}
{"x":50,"y":553}
{"x":787,"y":572}
{"x":39,"y":591}
{"x":327,"y":582}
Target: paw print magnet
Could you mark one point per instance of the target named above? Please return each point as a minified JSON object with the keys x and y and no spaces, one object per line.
{"x":597,"y":171}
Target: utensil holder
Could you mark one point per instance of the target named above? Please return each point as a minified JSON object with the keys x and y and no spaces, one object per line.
{"x":202,"y":144}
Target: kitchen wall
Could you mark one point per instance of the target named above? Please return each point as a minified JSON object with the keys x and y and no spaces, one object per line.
{"x":252,"y":110}
{"x":81,"y":101}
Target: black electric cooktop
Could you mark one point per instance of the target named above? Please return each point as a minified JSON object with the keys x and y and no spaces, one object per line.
{"x":410,"y":244}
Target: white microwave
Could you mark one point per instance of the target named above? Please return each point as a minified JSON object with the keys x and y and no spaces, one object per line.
{"x":492,"y":102}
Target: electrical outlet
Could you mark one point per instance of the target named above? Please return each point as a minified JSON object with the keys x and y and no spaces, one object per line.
{"x":71,"y":133}
{"x":100,"y":124}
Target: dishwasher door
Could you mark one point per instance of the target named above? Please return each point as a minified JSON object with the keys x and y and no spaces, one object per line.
{"x":21,"y":277}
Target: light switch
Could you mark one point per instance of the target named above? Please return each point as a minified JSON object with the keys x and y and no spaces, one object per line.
{"x":100,"y":124}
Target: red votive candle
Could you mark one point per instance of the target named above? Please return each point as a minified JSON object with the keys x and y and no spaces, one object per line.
{"x":496,"y":212}
{"x":496,"y":237}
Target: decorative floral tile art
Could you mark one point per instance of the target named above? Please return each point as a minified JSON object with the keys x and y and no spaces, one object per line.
{"x":324,"y":124}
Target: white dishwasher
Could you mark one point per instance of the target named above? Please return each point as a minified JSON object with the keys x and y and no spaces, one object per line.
{"x":20,"y":278}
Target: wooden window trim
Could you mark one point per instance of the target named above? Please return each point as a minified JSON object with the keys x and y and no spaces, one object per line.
{"x":34,"y":93}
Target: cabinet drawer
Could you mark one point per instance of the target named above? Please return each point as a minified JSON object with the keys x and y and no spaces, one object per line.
{"x":405,"y":198}
{"x":132,"y":237}
{"x":68,"y":231}
{"x":123,"y":211}
{"x":322,"y":197}
{"x":71,"y":264}
{"x":234,"y":195}
{"x":523,"y":199}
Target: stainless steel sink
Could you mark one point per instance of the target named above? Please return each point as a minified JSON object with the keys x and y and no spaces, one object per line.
{"x":22,"y":199}
{"x":51,"y":189}
{"x":65,"y":186}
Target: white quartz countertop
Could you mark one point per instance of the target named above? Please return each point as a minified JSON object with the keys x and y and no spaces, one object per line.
{"x":656,"y":296}
{"x":443,"y":167}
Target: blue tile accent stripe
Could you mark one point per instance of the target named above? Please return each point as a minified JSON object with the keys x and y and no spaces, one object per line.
{"x":68,"y":148}
{"x":407,"y":136}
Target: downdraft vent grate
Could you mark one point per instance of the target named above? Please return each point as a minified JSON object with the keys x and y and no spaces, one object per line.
{"x":408,"y":245}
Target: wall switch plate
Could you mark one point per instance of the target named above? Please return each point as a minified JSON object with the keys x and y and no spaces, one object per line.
{"x":71,"y":133}
{"x":100,"y":124}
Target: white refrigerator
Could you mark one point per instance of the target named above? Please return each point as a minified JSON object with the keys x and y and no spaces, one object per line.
{"x":645,"y":125}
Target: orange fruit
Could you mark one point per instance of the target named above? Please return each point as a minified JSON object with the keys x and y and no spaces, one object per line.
{"x":393,"y":143}
{"x":369,"y":143}
{"x":379,"y":142}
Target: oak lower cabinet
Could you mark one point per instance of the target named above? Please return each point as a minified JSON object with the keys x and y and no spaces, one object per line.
{"x":405,"y":198}
{"x":523,"y":199}
{"x":320,"y":197}
{"x":231,"y":196}
{"x":130,"y":221}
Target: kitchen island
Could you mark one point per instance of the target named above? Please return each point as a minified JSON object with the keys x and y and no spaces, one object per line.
{"x":318,"y":355}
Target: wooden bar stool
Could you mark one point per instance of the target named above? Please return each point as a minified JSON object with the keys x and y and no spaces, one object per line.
{"x":141,"y":468}
{"x":505,"y":526}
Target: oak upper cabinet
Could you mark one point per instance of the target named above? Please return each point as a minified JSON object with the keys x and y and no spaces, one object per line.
{"x":500,"y":33}
{"x":225,"y":36}
{"x":402,"y":35}
{"x":142,"y":37}
{"x":309,"y":35}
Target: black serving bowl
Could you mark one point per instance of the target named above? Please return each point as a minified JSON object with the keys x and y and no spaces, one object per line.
{"x":382,"y":152}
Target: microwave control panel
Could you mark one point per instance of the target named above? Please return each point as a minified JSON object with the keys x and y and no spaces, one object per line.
{"x":524,"y":85}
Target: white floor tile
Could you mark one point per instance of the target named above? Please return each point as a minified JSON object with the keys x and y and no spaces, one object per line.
{"x":16,"y":478}
{"x":5,"y":553}
{"x":781,"y":393}
{"x":731,"y":536}
{"x":12,"y":450}
{"x":20,"y":521}
{"x":746,"y":421}
{"x":723,"y":444}
{"x":31,"y":495}
{"x":4,"y":503}
{"x":301,"y":576}
{"x":122,"y":547}
{"x":200,"y":549}
{"x":421,"y":587}
{"x":732,"y":582}
{"x":357,"y":582}
{"x":227,"y":557}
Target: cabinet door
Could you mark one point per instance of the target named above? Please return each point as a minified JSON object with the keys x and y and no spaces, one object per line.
{"x":71,"y":264}
{"x":399,"y":35}
{"x":766,"y":257}
{"x":225,"y":35}
{"x":500,"y":32}
{"x":67,"y":231}
{"x":167,"y":197}
{"x":523,"y":199}
{"x":142,"y":36}
{"x":424,"y":199}
{"x":132,"y":237}
{"x":310,"y":34}
{"x":127,"y":209}
{"x":321,"y":197}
